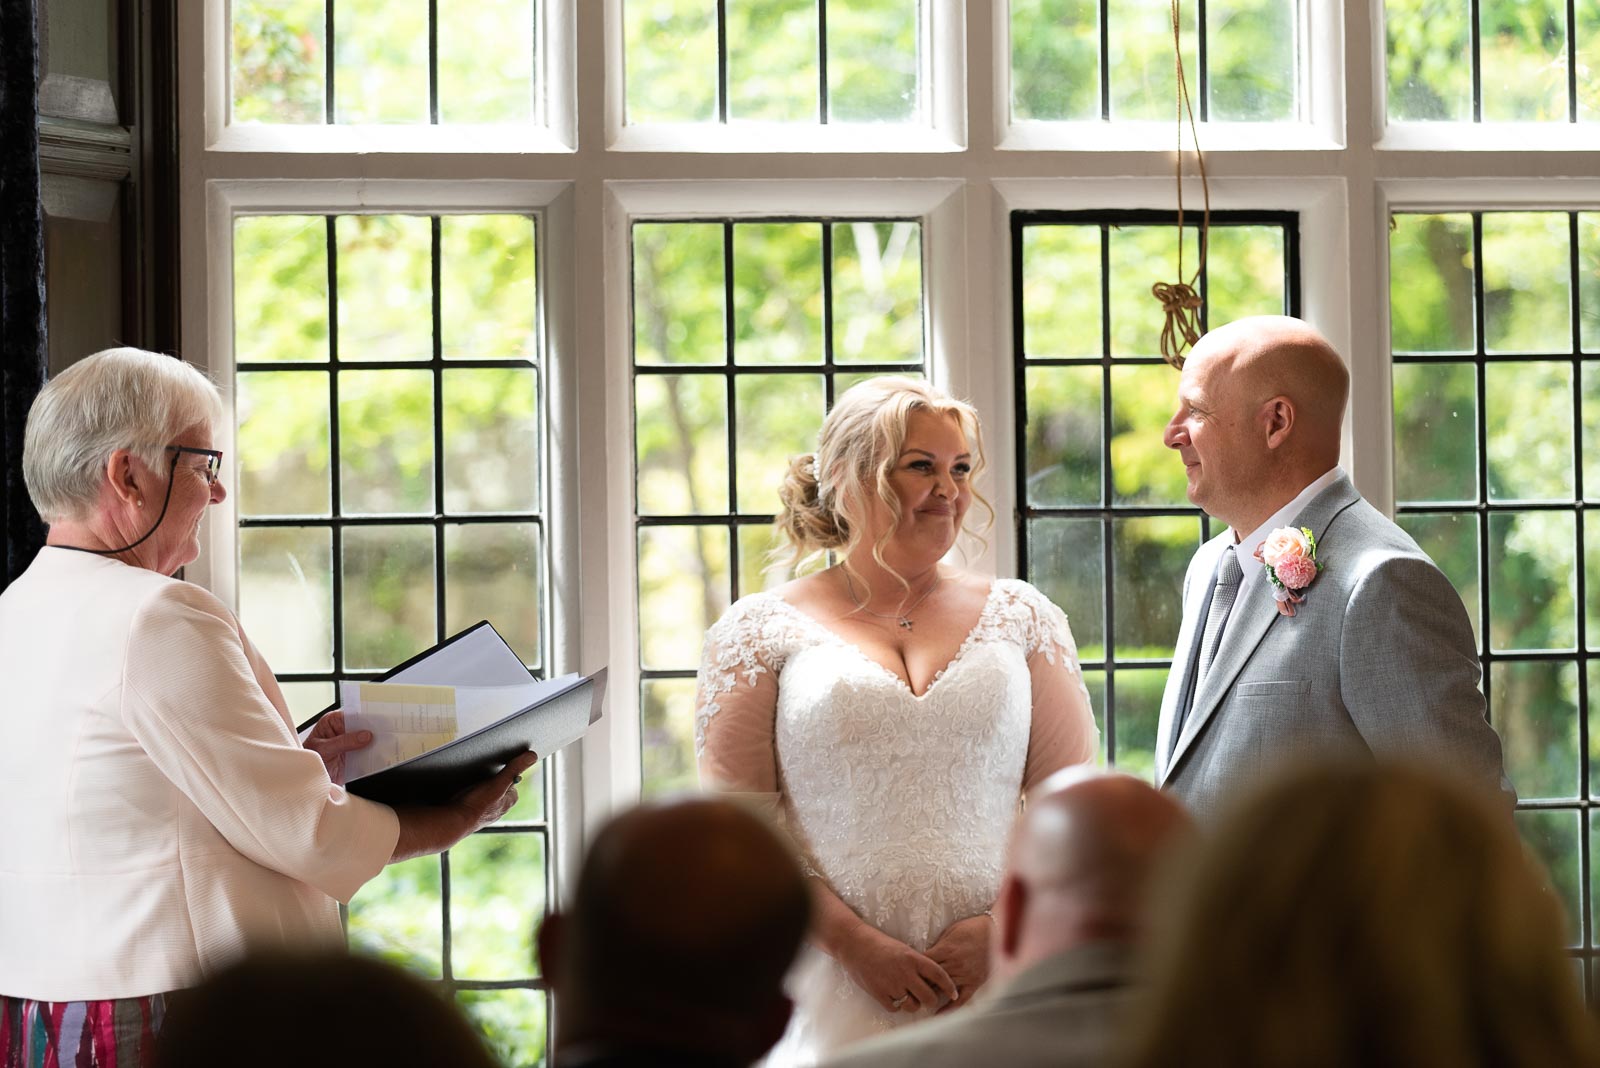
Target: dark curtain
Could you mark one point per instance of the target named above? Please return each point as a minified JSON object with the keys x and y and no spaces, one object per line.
{"x":23,"y":357}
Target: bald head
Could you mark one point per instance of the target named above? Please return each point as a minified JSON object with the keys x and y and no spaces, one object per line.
{"x":1270,"y":356}
{"x":1079,"y":862}
{"x":686,"y":918}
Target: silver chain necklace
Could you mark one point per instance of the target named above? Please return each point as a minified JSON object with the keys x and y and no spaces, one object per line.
{"x":901,"y":618}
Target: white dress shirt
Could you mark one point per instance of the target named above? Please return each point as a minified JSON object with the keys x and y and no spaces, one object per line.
{"x":157,"y":815}
{"x":1246,"y":546}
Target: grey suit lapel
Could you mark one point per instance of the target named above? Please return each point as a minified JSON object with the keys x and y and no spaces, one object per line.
{"x":1188,"y":634}
{"x":1253,"y":615}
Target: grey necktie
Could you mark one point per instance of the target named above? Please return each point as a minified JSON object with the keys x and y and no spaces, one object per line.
{"x":1219,"y":605}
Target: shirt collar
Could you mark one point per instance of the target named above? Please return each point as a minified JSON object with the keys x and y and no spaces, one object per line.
{"x":1245,"y":547}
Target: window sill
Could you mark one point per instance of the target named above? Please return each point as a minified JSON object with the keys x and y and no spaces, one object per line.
{"x":781,"y":138}
{"x":502,"y":139}
{"x":1162,"y":137}
{"x":1490,"y":137}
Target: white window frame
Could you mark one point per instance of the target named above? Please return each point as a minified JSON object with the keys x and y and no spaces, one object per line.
{"x":587,"y":177}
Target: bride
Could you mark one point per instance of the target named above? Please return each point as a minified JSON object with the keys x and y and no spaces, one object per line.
{"x":891,"y":711}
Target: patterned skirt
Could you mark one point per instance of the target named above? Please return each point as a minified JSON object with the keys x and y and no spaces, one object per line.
{"x":80,"y":1034}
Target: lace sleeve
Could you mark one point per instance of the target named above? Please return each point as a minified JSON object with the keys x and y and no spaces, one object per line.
{"x":1063,"y":728}
{"x":736,"y":700}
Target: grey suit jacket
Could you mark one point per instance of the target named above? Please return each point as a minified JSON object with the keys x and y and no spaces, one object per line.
{"x":1063,"y":1012}
{"x":1379,"y":660}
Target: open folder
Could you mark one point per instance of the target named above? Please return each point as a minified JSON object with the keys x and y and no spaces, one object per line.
{"x":454,"y":715}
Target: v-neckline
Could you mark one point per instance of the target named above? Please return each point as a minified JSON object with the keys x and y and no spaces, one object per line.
{"x":905,"y":684}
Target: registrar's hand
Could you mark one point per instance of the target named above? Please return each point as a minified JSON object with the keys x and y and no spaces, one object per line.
{"x":963,"y":952}
{"x":897,"y":976}
{"x":486,"y":802}
{"x":428,"y":829}
{"x":330,"y":742}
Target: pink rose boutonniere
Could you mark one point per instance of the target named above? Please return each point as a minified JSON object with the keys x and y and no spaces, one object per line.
{"x":1290,"y":556}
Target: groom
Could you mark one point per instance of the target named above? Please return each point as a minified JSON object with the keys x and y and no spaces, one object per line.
{"x":1364,"y":648}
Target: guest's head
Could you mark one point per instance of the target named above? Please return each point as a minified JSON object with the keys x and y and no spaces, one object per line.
{"x":892,"y":475}
{"x":1080,"y":862}
{"x":1260,"y":410}
{"x":115,"y":449}
{"x":1363,"y":915}
{"x":687,"y":915}
{"x":315,"y":1010}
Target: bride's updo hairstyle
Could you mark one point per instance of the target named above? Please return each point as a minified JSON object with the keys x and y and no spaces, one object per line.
{"x":825,"y":494}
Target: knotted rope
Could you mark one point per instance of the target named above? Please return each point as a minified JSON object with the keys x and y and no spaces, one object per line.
{"x":1180,"y":301}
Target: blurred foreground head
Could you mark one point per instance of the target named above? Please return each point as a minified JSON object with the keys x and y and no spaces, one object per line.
{"x":315,"y":1010}
{"x":686,"y":919}
{"x":1363,"y":915}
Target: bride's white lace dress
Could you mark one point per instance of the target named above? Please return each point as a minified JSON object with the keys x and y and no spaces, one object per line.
{"x":900,"y":801}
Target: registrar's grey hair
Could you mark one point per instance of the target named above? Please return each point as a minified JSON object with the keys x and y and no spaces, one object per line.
{"x":116,"y":399}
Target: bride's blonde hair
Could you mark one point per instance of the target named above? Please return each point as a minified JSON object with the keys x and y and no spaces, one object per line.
{"x":825,"y":494}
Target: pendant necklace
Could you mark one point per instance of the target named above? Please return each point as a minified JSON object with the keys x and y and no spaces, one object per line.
{"x":902,"y":618}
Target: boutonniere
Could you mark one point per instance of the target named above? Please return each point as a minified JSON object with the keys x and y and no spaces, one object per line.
{"x":1290,"y":556}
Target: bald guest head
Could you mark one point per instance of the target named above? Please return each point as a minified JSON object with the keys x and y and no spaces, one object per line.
{"x":686,"y":918}
{"x":1079,"y":862}
{"x":1260,"y":408}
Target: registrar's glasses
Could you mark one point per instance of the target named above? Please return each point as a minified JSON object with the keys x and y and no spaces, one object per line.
{"x":213,"y":460}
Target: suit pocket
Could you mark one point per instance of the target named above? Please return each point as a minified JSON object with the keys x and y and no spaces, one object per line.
{"x":1286,"y":688}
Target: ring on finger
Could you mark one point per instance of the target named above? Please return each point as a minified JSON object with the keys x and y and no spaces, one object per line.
{"x":899,"y":1001}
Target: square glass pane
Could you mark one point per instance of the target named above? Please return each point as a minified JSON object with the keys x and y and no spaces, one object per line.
{"x":759,"y":568}
{"x":488,"y":295}
{"x":670,"y":60}
{"x":396,"y":917}
{"x":678,"y":293}
{"x":1064,"y":435}
{"x":1066,"y":560}
{"x":280,"y":288}
{"x":1589,"y":263}
{"x":530,"y":806}
{"x":497,"y":898}
{"x":1527,"y":293}
{"x":1149,"y":556}
{"x":513,"y":1023}
{"x":1532,"y":571}
{"x":490,"y":419}
{"x":877,"y":292}
{"x":1534,"y":708}
{"x":306,"y":699}
{"x":1522,"y":58}
{"x":777,"y":293}
{"x":1251,"y":48}
{"x":684,"y":586}
{"x":390,"y":612}
{"x":286,"y":595}
{"x":1592,"y":710}
{"x":1530,"y":458}
{"x":1055,"y":60}
{"x":1430,"y":283}
{"x":1591,"y":587}
{"x":495,"y":571}
{"x":380,"y":61}
{"x":1552,"y":835}
{"x":282,"y":444}
{"x":776,"y":418}
{"x":844,"y":380}
{"x":874,"y":60}
{"x":1061,"y":314}
{"x":385,"y":442}
{"x":487,"y":55}
{"x":1429,"y":49}
{"x":1451,"y":540}
{"x":1590,"y":402}
{"x":1140,"y":257}
{"x":1587,"y":34}
{"x":1144,"y":84}
{"x":772,"y":60}
{"x":1136,"y":710}
{"x":385,"y":280}
{"x":1244,"y":273}
{"x":278,"y":72}
{"x":1435,"y":432}
{"x":1095,"y":683}
{"x":681,"y":432}
{"x":1143,"y":470}
{"x":666,"y":736}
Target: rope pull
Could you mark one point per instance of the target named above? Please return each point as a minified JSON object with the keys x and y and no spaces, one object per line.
{"x":1180,"y":302}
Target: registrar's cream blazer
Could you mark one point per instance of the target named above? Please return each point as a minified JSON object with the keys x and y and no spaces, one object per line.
{"x":157,"y":814}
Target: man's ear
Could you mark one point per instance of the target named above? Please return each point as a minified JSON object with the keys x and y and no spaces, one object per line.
{"x":1277,"y":420}
{"x":1009,"y":908}
{"x":121,"y":476}
{"x":551,"y":942}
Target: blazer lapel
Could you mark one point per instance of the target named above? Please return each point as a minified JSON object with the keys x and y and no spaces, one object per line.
{"x":1253,"y":615}
{"x":1188,"y":634}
